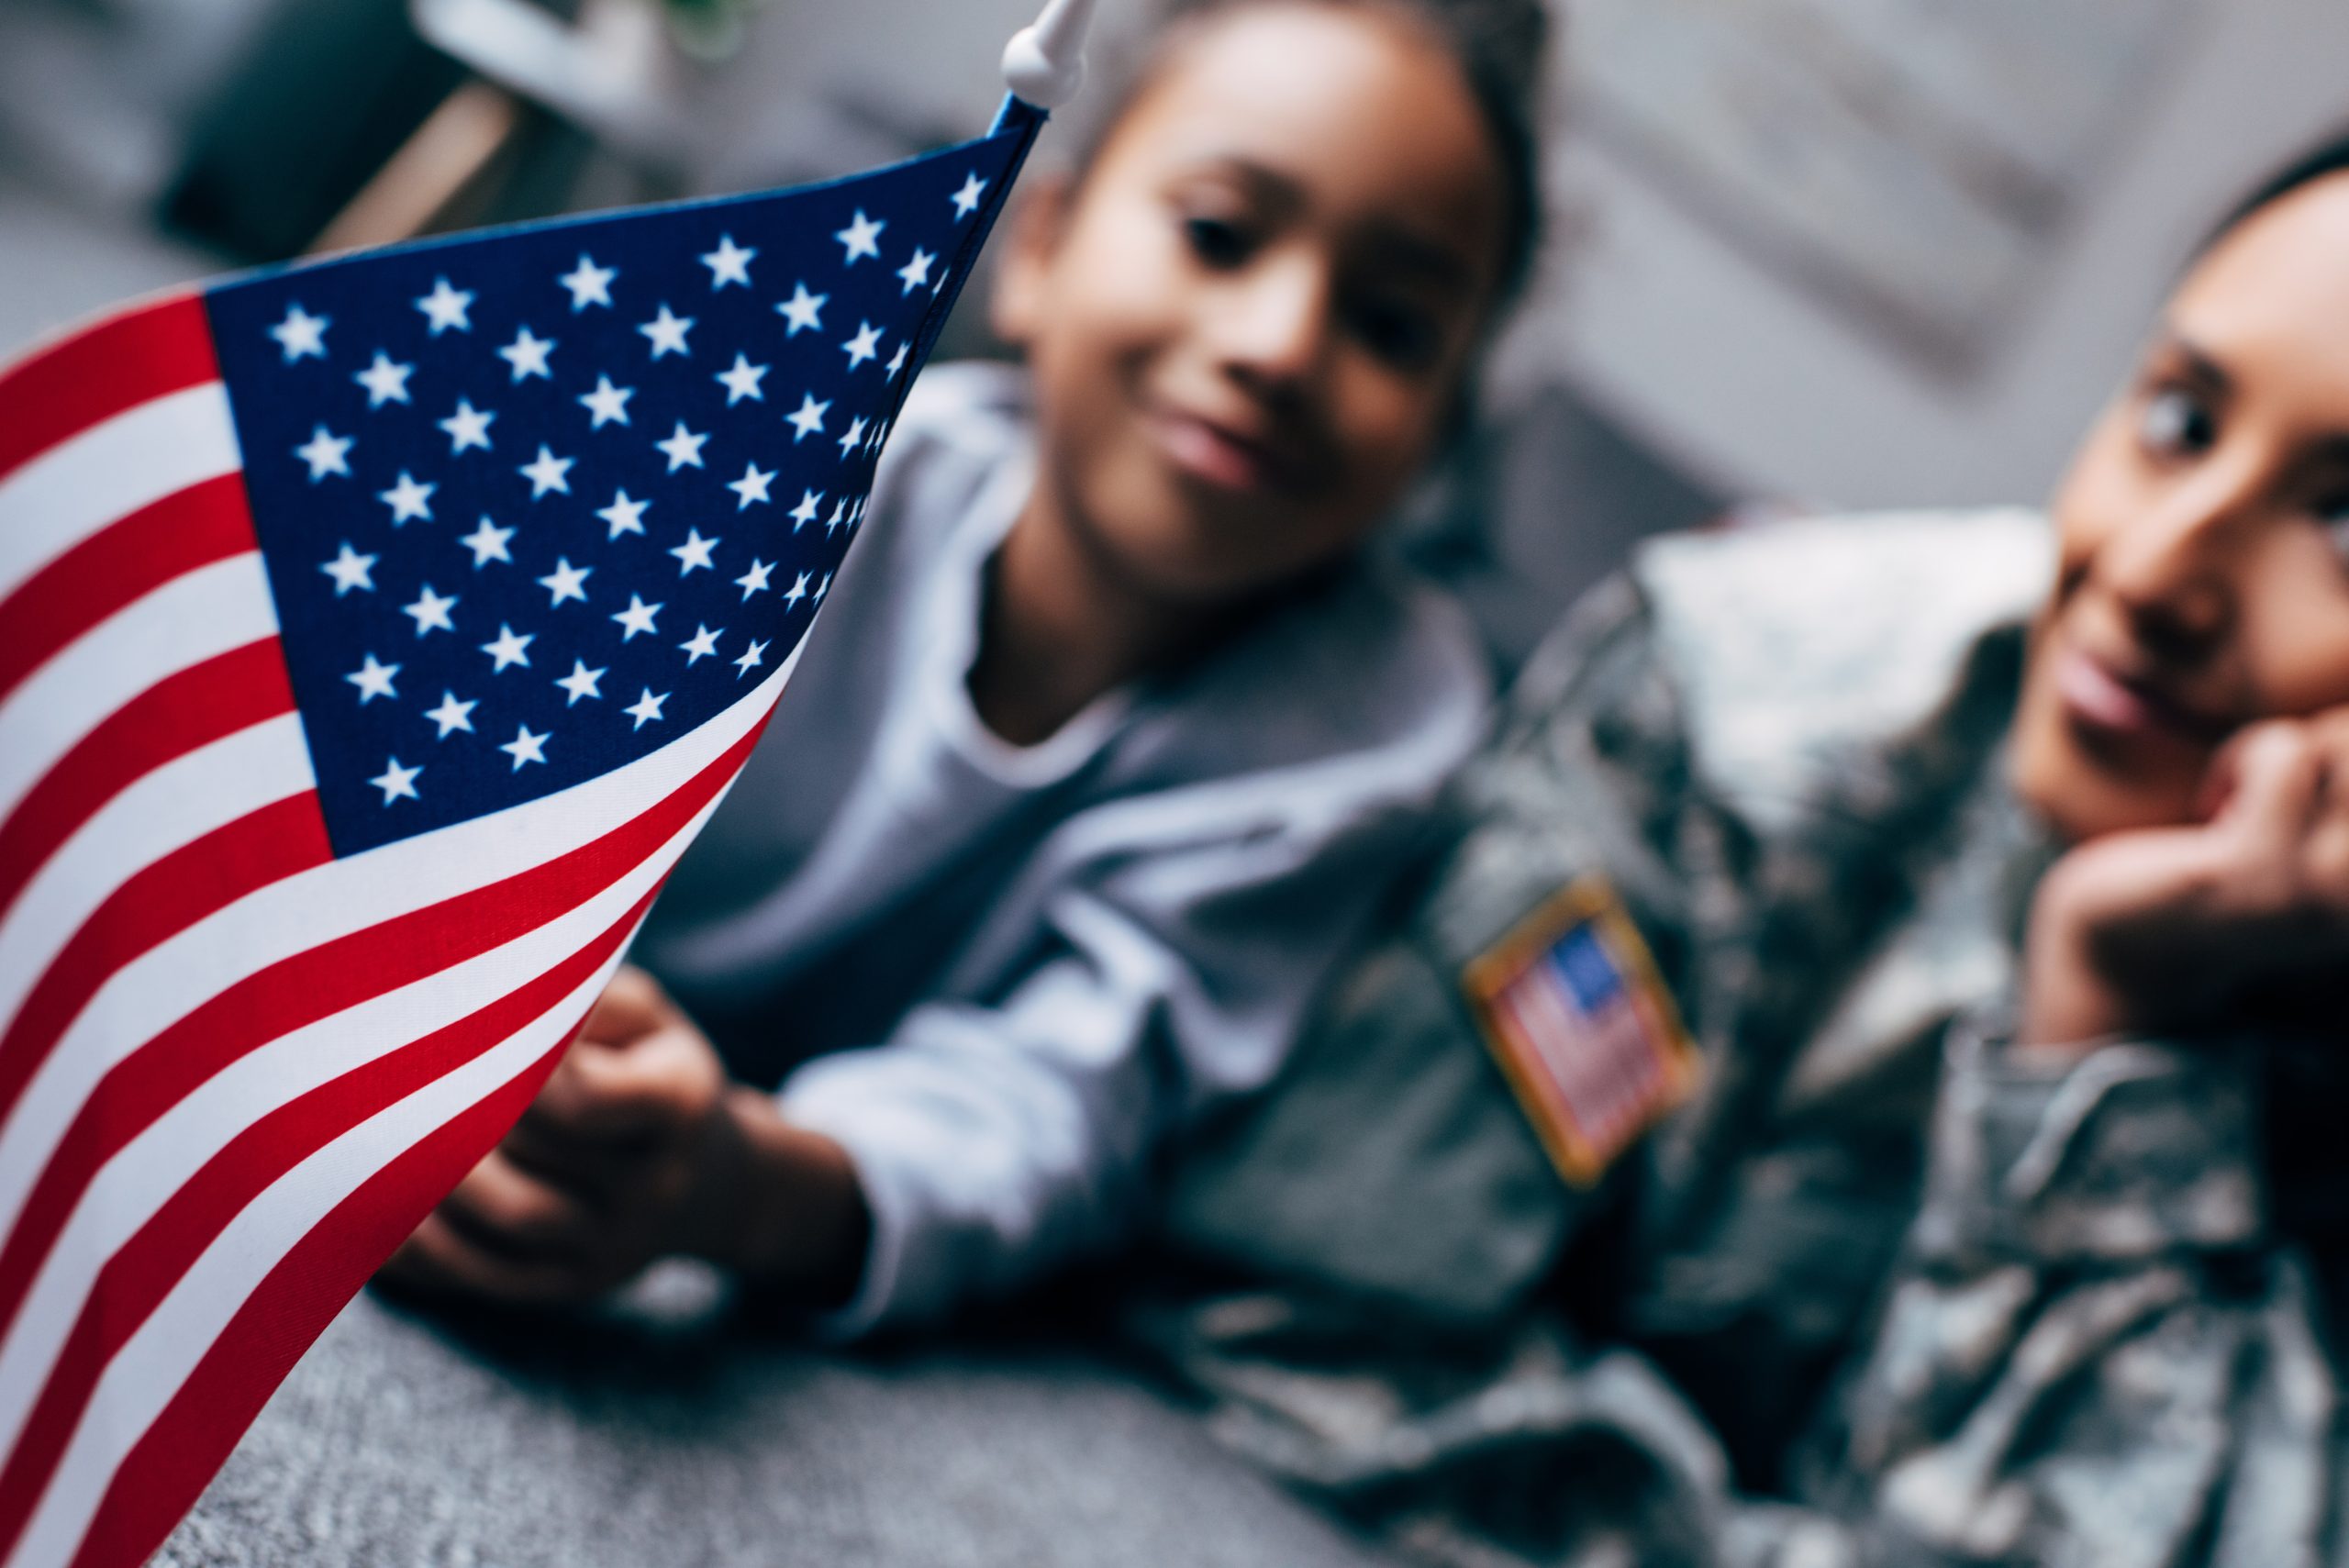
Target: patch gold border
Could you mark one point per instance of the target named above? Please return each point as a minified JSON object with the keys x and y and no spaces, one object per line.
{"x":1585,"y":901}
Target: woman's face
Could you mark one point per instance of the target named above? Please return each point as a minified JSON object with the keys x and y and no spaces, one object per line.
{"x":2204,"y":529}
{"x":1249,"y":325}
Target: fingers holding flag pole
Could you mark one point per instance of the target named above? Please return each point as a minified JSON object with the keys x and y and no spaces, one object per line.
{"x":1045,"y":64}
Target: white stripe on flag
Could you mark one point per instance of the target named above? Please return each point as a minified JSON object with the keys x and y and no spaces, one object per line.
{"x":164,"y":810}
{"x":302,"y":911}
{"x":193,"y":618}
{"x":140,"y":1381}
{"x":156,"y":1164}
{"x":110,"y":471}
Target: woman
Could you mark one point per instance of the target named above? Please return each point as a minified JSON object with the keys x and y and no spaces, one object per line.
{"x":1986,"y":1208}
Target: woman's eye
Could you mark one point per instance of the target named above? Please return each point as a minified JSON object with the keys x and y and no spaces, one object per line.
{"x":2176,"y":423}
{"x":1218,"y":242}
{"x":2333,"y":515}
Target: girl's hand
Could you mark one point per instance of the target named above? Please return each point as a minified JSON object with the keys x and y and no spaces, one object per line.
{"x":2234,"y":918}
{"x":639,"y":1147}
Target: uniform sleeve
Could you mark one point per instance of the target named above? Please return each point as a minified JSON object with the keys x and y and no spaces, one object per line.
{"x":995,"y":1141}
{"x":2096,"y":1351}
{"x":1392,"y":1165}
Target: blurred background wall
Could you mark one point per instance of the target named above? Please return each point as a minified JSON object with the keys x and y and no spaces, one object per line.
{"x":1676,"y":357}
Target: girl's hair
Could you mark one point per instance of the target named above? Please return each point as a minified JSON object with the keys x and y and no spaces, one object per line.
{"x":1501,"y":46}
{"x":2327,"y":158}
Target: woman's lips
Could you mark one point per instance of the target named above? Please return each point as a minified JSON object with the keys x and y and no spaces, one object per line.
{"x":2094,"y":696}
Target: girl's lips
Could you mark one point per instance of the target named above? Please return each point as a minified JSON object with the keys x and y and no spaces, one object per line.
{"x":2095,"y":696}
{"x":1223,"y":458}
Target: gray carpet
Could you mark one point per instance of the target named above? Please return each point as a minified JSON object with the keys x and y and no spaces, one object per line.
{"x":407,"y":1442}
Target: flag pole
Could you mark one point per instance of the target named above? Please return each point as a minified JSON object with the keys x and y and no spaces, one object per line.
{"x":1045,"y":64}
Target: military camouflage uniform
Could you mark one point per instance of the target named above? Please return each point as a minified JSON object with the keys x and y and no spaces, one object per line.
{"x":1881,"y":1291}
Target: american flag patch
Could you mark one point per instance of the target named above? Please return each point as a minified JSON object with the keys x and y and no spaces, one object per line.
{"x":1572,"y":1008}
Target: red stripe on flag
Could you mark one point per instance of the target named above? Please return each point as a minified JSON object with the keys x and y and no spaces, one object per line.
{"x":144,"y":1271}
{"x":168,"y":1469}
{"x":191,"y":708}
{"x":315,"y":983}
{"x":117,"y":566}
{"x":163,"y":900}
{"x":102,"y":371}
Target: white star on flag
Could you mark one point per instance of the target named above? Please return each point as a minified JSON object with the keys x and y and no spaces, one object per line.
{"x":667,"y":333}
{"x":528,"y":354}
{"x":566,"y":582}
{"x":526,"y":747}
{"x":701,"y":645}
{"x":637,"y":617}
{"x":823,"y":587}
{"x":430,"y":611}
{"x":374,"y":680}
{"x":508,"y":648}
{"x":754,"y":580}
{"x":966,"y":200}
{"x":626,"y":517}
{"x":407,"y":499}
{"x":452,"y":714}
{"x":897,"y":361}
{"x":446,"y":307}
{"x":862,"y":236}
{"x":752,"y":485}
{"x":589,"y":283}
{"x":694,"y":553}
{"x":547,"y":473}
{"x":384,"y":380}
{"x":796,"y":591}
{"x":916,"y":272}
{"x":350,"y":570}
{"x":729,"y":263}
{"x":302,"y":335}
{"x":488,"y":543}
{"x":646,"y":709}
{"x":682,"y":447}
{"x":581,"y":683}
{"x":750,"y":659}
{"x":468,"y":427}
{"x":847,"y":443}
{"x":395,"y":782}
{"x":804,"y":513}
{"x":326,"y":454}
{"x":608,"y":403}
{"x":803,"y":311}
{"x":743,"y":381}
{"x":809,"y":420}
{"x":865,"y":345}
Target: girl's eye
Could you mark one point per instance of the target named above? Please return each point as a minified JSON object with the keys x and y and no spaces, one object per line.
{"x":2176,"y":423}
{"x":1218,"y":242}
{"x":1403,"y":335}
{"x":2333,"y":517}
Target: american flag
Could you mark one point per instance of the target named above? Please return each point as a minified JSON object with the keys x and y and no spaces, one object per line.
{"x":373,"y":637}
{"x":1584,"y":1030}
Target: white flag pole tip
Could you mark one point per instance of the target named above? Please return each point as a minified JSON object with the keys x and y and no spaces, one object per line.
{"x":1045,"y":63}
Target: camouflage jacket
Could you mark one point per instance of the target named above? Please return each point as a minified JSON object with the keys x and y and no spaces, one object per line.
{"x":1874,"y":1290}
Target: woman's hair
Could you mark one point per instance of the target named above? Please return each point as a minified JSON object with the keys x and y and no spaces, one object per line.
{"x":1501,"y":46}
{"x":2327,"y":158}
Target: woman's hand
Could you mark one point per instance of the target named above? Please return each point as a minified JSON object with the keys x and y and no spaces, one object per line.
{"x":639,"y":1147}
{"x":2241,"y":916}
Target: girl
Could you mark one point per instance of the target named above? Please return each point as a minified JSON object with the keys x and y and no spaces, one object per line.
{"x":1112,"y":733}
{"x":1990,"y":1207}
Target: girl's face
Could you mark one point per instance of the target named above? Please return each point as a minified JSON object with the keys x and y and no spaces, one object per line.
{"x":1251,"y":322}
{"x":2204,"y":580}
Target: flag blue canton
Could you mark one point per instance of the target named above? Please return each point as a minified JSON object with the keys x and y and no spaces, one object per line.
{"x":534,"y":504}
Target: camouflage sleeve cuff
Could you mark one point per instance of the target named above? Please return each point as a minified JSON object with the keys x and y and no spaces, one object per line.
{"x":2134,"y":1150}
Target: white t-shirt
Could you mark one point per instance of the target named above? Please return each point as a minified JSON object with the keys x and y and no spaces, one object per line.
{"x":999,"y":975}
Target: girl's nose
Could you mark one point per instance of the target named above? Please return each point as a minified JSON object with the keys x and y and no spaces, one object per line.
{"x":1272,"y":330}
